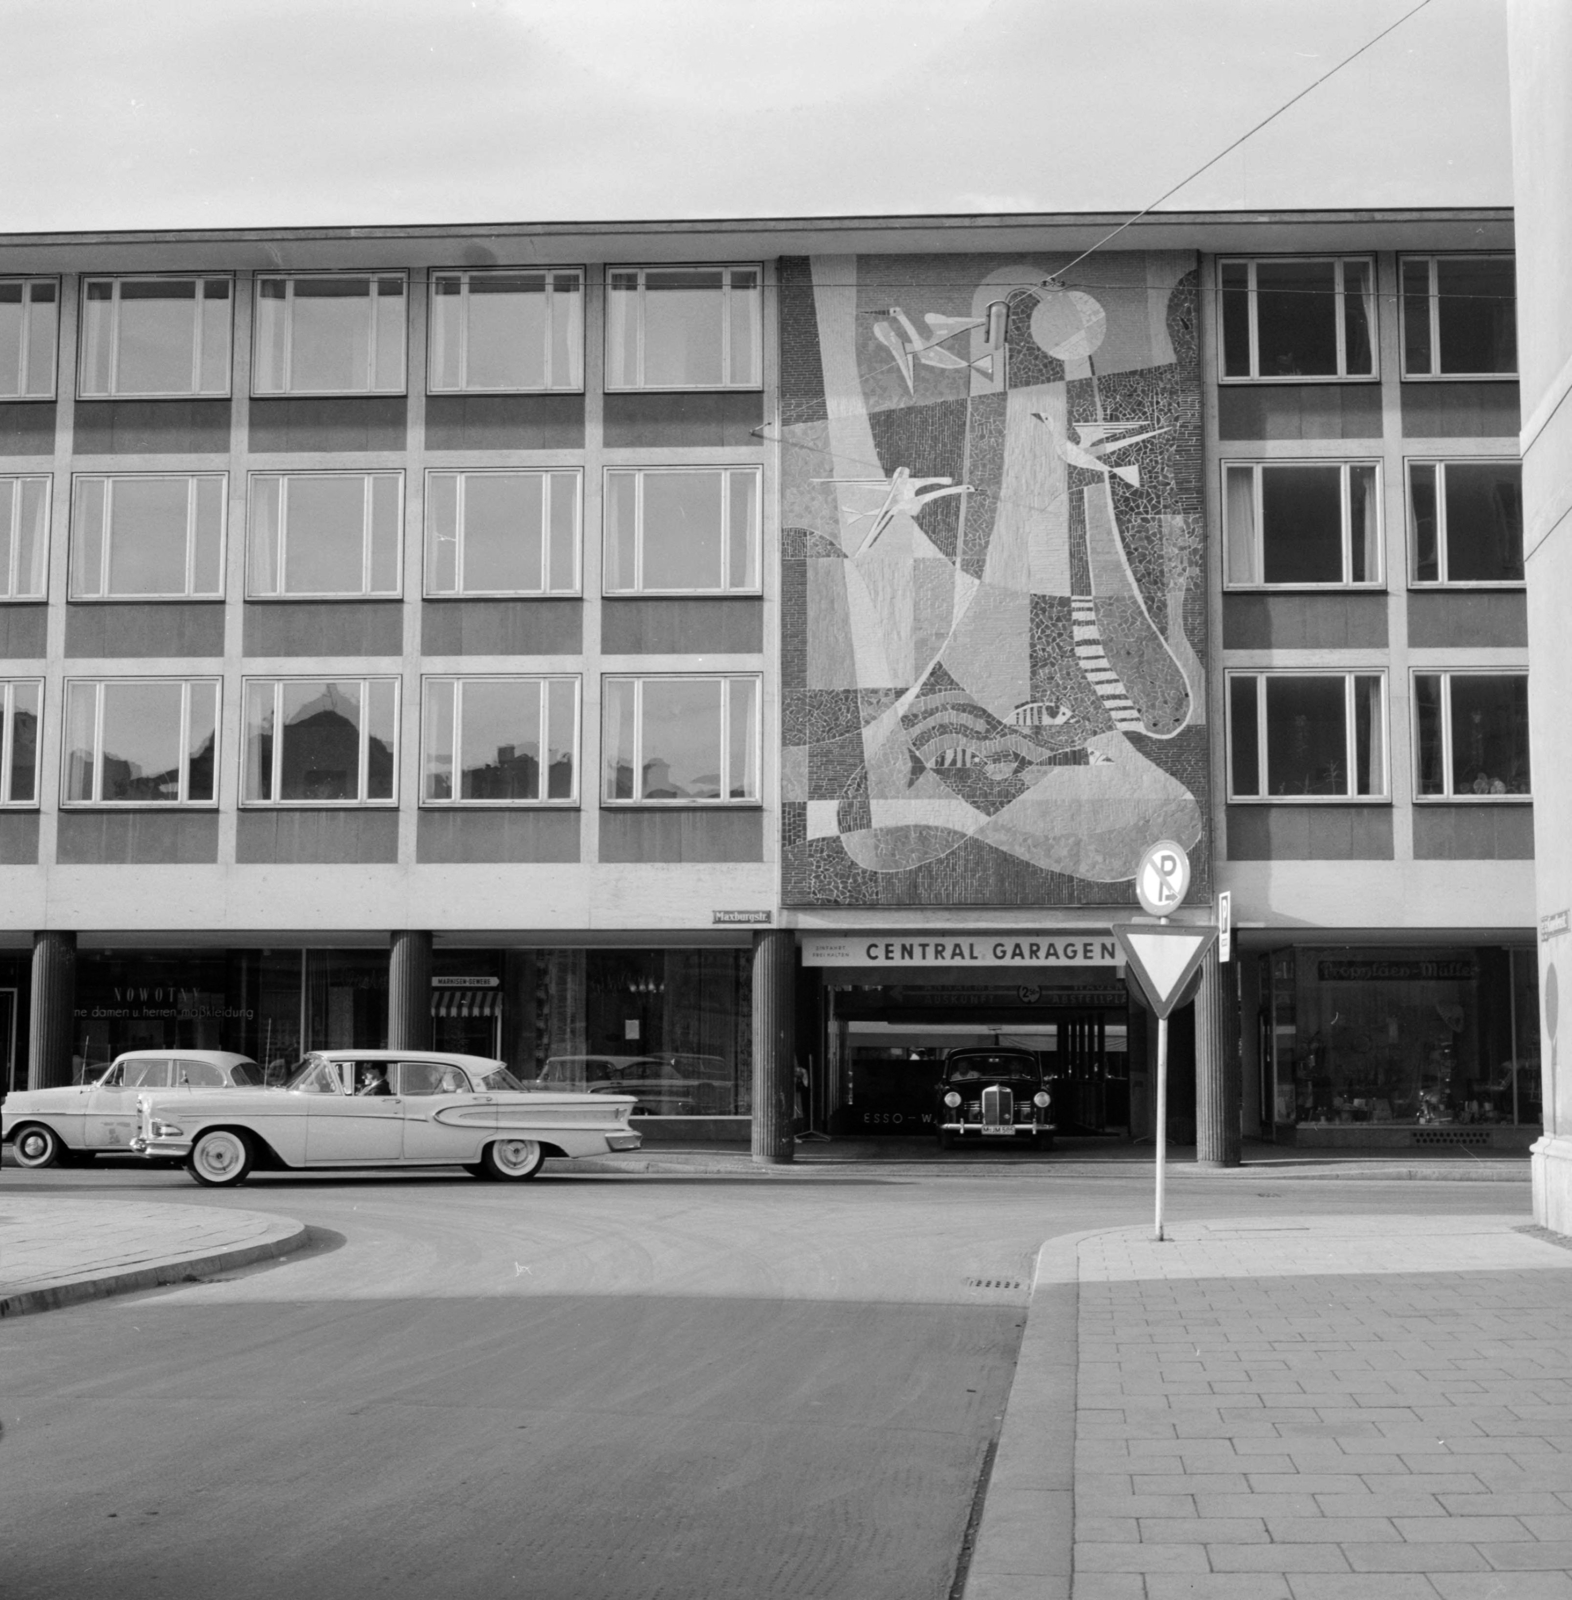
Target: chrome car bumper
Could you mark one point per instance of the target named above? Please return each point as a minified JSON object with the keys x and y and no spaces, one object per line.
{"x":624,"y":1141}
{"x":161,"y":1149}
{"x":997,"y":1131}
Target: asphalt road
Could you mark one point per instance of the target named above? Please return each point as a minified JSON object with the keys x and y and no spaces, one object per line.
{"x":586,"y":1388}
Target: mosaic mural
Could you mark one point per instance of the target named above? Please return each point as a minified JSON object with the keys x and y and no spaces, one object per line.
{"x":993,"y":618}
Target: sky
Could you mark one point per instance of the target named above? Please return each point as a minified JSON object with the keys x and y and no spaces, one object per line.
{"x":300,"y":113}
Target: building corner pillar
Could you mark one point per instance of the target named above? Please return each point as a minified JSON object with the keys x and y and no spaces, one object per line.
{"x":1218,"y":1084}
{"x":774,"y":1046}
{"x":409,"y":991}
{"x":52,"y":1003}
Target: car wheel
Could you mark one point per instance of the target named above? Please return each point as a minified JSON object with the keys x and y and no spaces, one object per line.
{"x":220,"y":1158}
{"x":38,"y":1146}
{"x":512,"y":1159}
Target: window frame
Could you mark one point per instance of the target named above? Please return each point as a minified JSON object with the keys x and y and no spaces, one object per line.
{"x":461,"y":473}
{"x":116,"y":393}
{"x":367,"y":550}
{"x":8,"y":688}
{"x":644,"y":268}
{"x":29,"y":281}
{"x":8,"y":594}
{"x":641,"y":472}
{"x":545,"y":802}
{"x":1339,"y":295}
{"x":1383,"y":797}
{"x":1443,"y":462}
{"x":577,"y":336}
{"x":1258,"y":469}
{"x":1449,"y":797}
{"x":188,"y":595}
{"x":361,"y":802}
{"x":291,"y":278}
{"x":1433,"y":304}
{"x":611,"y":801}
{"x":100,"y":683}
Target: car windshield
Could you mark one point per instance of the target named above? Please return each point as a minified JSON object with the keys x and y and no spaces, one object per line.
{"x":500,"y":1078}
{"x":314,"y":1075}
{"x":970,"y":1069}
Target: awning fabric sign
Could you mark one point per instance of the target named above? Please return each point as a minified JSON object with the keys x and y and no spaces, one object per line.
{"x":464,"y":1002}
{"x":1094,"y":948}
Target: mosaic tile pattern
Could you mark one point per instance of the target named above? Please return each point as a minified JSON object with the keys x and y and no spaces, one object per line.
{"x":994,"y":614}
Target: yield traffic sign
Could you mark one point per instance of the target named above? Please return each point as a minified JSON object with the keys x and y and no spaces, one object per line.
{"x":1164,"y":957}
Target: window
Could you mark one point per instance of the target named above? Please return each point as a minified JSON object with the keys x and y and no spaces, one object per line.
{"x":1298,"y":319}
{"x":154,"y":336}
{"x":141,"y":741}
{"x":28,"y":320}
{"x":502,"y":532}
{"x":24,"y":537}
{"x":20,"y":704}
{"x":329,"y":335}
{"x":148,"y":538}
{"x":1471,"y":734}
{"x":315,"y":742}
{"x":680,"y":530}
{"x":1306,"y":736}
{"x":325,"y":533}
{"x":509,"y":741}
{"x":1467,"y":521}
{"x":1302,"y":523}
{"x":683,"y":328}
{"x":682,"y":739}
{"x":501,"y":332}
{"x":1459,"y":317}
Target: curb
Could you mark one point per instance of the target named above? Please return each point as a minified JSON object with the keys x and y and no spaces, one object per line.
{"x":289,"y":1237}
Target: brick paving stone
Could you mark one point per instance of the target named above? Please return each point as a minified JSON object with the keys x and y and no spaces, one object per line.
{"x":1494,"y":1586}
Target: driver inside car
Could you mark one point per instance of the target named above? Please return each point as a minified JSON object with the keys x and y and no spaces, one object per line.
{"x":372,"y":1079}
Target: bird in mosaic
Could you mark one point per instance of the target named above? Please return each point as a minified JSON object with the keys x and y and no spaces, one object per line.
{"x":904,"y":496}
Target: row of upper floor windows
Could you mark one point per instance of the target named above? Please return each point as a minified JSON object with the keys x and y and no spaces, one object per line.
{"x":489,"y":332}
{"x":1301,"y":736}
{"x":1288,"y":319}
{"x":315,"y":535}
{"x":666,"y":739}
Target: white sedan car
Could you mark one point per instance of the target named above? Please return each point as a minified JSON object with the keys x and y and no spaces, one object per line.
{"x":384,"y":1108}
{"x":65,"y":1126}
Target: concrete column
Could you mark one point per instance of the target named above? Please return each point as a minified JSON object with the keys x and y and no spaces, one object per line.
{"x":53,"y":999}
{"x":409,"y":991}
{"x":1217,"y":1082}
{"x":774,"y":1045}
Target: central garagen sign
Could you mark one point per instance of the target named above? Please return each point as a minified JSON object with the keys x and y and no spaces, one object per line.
{"x":1077,"y":949}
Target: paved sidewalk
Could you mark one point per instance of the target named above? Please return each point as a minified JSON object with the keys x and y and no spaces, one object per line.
{"x":1332,"y":1409}
{"x":56,"y":1251}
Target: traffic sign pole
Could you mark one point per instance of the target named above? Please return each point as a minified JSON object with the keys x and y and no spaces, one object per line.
{"x":1162,"y":1120}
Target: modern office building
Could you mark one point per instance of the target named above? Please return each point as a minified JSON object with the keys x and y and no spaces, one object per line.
{"x":744,"y":660}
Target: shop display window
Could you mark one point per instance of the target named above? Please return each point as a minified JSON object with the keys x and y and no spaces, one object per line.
{"x":29,"y":317}
{"x":1297,"y":319}
{"x":24,"y":537}
{"x":333,"y":334}
{"x":502,"y":533}
{"x":1302,"y":524}
{"x":1459,"y":316}
{"x":154,"y":336}
{"x":684,"y":328}
{"x":1466,"y":521}
{"x":506,"y":331}
{"x":1471,"y":735}
{"x":1408,"y":1036}
{"x":148,"y":537}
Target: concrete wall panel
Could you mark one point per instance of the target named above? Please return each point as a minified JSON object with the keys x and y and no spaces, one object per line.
{"x":118,"y":838}
{"x":681,"y":836}
{"x":350,"y":835}
{"x":502,"y":627}
{"x":110,"y":630}
{"x":1304,"y":621}
{"x":332,"y":423}
{"x":505,"y":422}
{"x":324,"y":628}
{"x":682,"y":627}
{"x":446,"y":836}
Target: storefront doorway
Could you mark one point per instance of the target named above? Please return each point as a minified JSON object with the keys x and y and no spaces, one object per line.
{"x":9,"y":1064}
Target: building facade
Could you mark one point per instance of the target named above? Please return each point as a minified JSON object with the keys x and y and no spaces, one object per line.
{"x":742,"y":661}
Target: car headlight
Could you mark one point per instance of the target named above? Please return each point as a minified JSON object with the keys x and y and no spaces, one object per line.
{"x":952,"y":1099}
{"x":1042,"y":1099}
{"x":167,"y":1130}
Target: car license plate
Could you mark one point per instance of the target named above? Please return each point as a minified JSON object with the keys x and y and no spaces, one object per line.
{"x":998,"y":1132}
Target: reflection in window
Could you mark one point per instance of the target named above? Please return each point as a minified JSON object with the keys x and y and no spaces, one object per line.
{"x":502,"y":532}
{"x":501,"y":332}
{"x":1459,"y":316}
{"x":155,"y":336}
{"x":329,"y":335}
{"x":148,"y":537}
{"x":24,"y":537}
{"x":1467,"y":519}
{"x":1471,"y":734}
{"x":682,"y":739}
{"x":1298,"y":319}
{"x":1296,"y":736}
{"x":683,"y":328}
{"x":315,"y":742}
{"x":140,"y":741}
{"x":1302,"y":523}
{"x":20,"y":703}
{"x":682,"y":530}
{"x":324,"y":533}
{"x":28,"y":308}
{"x":508,"y":740}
